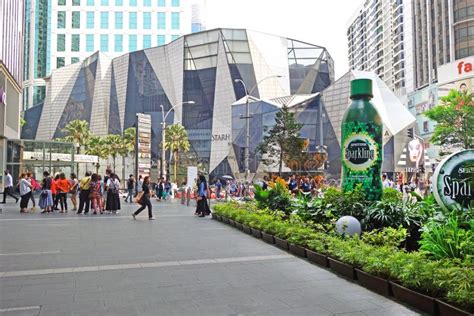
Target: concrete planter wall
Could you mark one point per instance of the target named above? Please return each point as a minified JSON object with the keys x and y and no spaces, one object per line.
{"x":281,"y":243}
{"x":297,"y":250}
{"x":317,"y":258}
{"x":373,"y":283}
{"x":445,"y":309}
{"x":342,"y":268}
{"x":268,"y":238}
{"x":256,"y":233}
{"x":420,"y":301}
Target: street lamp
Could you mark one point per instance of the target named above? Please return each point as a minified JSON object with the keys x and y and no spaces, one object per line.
{"x":247,"y":118}
{"x":163,"y":133}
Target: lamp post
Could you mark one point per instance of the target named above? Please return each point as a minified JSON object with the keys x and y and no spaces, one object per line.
{"x":163,"y":133}
{"x":247,"y":118}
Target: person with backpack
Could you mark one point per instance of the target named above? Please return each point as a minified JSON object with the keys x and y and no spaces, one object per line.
{"x":130,"y":185}
{"x":85,"y":189}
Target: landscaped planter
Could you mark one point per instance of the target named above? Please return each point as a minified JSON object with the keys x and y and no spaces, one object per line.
{"x":231,"y":222}
{"x":297,"y":250}
{"x":214,"y":216}
{"x":246,"y":229}
{"x":317,"y":258}
{"x":342,"y":268}
{"x":281,"y":243}
{"x":373,"y":283}
{"x":256,"y":233}
{"x":418,"y":300}
{"x":445,"y":309}
{"x":268,"y":238}
{"x":238,"y":225}
{"x":225,"y":220}
{"x":218,"y":217}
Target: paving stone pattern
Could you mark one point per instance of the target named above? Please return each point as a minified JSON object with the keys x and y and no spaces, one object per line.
{"x":65,"y":264}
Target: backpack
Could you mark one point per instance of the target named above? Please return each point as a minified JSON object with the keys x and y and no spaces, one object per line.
{"x":113,"y":188}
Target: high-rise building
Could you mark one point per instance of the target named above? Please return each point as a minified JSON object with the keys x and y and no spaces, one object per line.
{"x":11,"y":72}
{"x":62,"y":32}
{"x":380,"y":40}
{"x":443,"y":32}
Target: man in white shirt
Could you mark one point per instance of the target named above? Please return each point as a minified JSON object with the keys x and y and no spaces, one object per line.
{"x":386,"y":182}
{"x":8,"y":187}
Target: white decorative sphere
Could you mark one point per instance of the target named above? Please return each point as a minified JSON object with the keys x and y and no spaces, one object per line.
{"x":348,"y":225}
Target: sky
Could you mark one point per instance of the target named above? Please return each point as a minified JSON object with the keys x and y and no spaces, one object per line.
{"x":320,"y":22}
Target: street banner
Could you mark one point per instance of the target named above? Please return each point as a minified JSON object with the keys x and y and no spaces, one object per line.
{"x":143,"y":145}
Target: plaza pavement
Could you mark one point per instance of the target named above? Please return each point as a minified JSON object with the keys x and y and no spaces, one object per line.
{"x":65,"y":264}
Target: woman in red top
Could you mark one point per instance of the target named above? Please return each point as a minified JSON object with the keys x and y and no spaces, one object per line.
{"x":62,"y":188}
{"x":54,"y":191}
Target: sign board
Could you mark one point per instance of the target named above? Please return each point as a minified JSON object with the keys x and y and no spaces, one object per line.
{"x":458,"y":70}
{"x":192,"y":176}
{"x":33,"y":155}
{"x":453,"y":180}
{"x":143,"y":145}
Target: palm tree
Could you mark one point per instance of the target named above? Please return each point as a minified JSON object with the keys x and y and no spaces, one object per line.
{"x":115,"y":147}
{"x":176,"y":139}
{"x":96,"y":146}
{"x":77,"y":132}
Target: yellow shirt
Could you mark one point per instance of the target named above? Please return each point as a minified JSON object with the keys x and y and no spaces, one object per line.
{"x":85,"y":183}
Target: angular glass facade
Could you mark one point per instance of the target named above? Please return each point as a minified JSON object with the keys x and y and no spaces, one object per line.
{"x":202,"y":68}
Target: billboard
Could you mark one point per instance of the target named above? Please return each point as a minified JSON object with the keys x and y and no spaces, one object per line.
{"x":143,"y":145}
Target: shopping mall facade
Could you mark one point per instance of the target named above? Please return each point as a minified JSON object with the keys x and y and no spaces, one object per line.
{"x":208,"y":68}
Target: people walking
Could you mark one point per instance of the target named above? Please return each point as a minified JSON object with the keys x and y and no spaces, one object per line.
{"x":202,"y":206}
{"x":25,"y":193}
{"x":74,"y":187}
{"x":8,"y":187}
{"x":84,"y":186}
{"x":113,"y":200}
{"x":94,"y":194}
{"x":145,"y":200}
{"x":130,"y":185}
{"x":62,"y":188}
{"x":46,"y":197}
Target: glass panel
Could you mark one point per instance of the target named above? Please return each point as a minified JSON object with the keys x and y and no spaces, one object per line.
{"x":60,"y":61}
{"x":132,"y":20}
{"x":118,"y":43}
{"x":74,"y":60}
{"x":104,"y":2}
{"x":147,"y":3}
{"x":61,"y":19}
{"x":175,"y":3}
{"x":90,"y":20}
{"x":132,"y":43}
{"x":174,"y":37}
{"x":76,"y":2}
{"x":175,"y":20}
{"x":104,"y":43}
{"x":61,"y":2}
{"x":90,"y":2}
{"x":76,"y":20}
{"x":75,"y":42}
{"x":133,"y":3}
{"x":161,"y":3}
{"x":61,"y":43}
{"x":89,"y":43}
{"x":161,"y":21}
{"x":146,"y":41}
{"x":104,"y":20}
{"x":119,"y":2}
{"x":118,"y":20}
{"x":147,"y":20}
{"x":161,"y":40}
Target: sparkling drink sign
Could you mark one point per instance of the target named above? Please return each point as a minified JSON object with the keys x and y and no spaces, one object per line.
{"x":143,"y":145}
{"x":453,"y":181}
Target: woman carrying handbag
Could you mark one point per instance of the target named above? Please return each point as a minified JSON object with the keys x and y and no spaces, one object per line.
{"x":144,"y":200}
{"x":202,"y":206}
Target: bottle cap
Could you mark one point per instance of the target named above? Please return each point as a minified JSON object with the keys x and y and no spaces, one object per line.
{"x":361,"y":87}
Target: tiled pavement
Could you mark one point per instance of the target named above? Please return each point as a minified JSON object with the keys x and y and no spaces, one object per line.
{"x":65,"y":264}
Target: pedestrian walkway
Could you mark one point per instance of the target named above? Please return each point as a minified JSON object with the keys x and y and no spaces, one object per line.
{"x":65,"y":264}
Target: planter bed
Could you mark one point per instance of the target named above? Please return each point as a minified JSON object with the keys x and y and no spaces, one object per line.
{"x":281,"y":243}
{"x":418,"y":300}
{"x":214,"y":215}
{"x":238,"y":225}
{"x":445,"y":309}
{"x":317,"y":258}
{"x":225,"y":220}
{"x":246,"y":229}
{"x":231,"y":222}
{"x":256,"y":233}
{"x":342,"y":268}
{"x":218,"y":217}
{"x":297,"y":250}
{"x":268,"y":238}
{"x":373,"y":283}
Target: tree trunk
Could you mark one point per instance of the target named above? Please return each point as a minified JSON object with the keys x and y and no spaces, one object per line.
{"x":97,"y":166}
{"x":175,"y":166}
{"x":78,"y":150}
{"x":114,"y":161}
{"x":280,"y":167}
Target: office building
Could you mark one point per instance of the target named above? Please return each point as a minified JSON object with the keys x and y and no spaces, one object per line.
{"x":380,"y":40}
{"x":443,"y":33}
{"x":63,"y":32}
{"x":11,"y":73}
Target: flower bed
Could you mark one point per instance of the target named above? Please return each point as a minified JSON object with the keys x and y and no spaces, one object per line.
{"x":448,"y":280}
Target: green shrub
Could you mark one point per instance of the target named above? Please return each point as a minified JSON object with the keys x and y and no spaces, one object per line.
{"x":391,"y":214}
{"x":388,"y":236}
{"x":447,"y":240}
{"x":391,"y":195}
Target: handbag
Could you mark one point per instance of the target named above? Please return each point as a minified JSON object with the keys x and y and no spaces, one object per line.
{"x":44,"y":194}
{"x":138,"y":198}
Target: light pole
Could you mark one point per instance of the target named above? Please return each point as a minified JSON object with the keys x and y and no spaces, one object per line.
{"x":247,"y":118}
{"x":163,"y":133}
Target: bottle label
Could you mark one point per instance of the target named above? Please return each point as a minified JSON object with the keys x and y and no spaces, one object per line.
{"x":360,"y":151}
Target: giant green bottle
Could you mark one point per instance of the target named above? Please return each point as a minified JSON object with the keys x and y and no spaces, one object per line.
{"x":361,"y":142}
